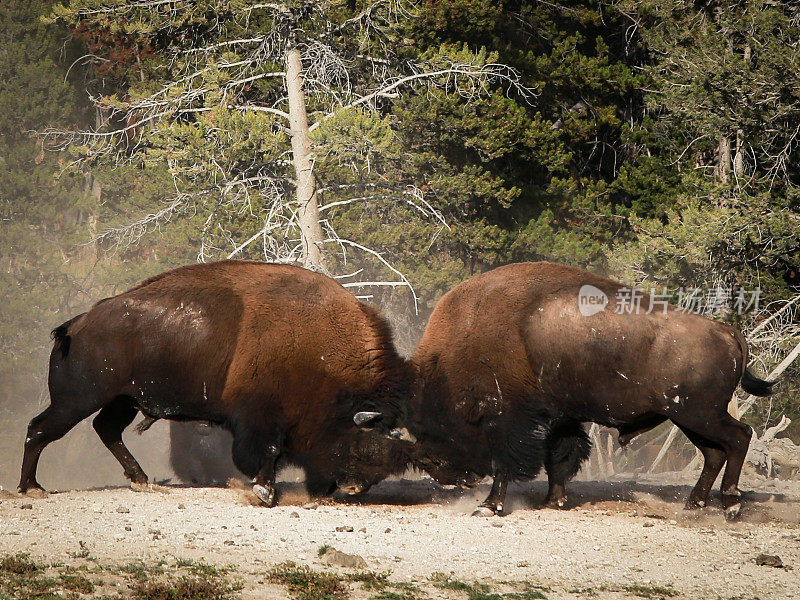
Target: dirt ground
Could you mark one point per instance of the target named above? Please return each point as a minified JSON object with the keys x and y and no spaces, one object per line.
{"x":616,"y":536}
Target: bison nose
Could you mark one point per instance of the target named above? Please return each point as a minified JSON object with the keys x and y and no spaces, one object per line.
{"x":351,"y":489}
{"x":403,"y":434}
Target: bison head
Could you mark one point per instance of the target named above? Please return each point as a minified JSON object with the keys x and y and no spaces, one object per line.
{"x":369,"y":420}
{"x":356,"y":462}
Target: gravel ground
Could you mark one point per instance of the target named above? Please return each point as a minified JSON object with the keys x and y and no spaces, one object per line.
{"x":616,"y":534}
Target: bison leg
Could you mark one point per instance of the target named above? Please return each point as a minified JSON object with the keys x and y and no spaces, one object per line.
{"x":493,"y":504}
{"x":568,"y":447}
{"x":740,"y":435}
{"x":264,"y":485}
{"x":256,"y":454}
{"x":51,"y":425}
{"x":734,"y":438}
{"x":109,"y":424}
{"x":713,"y":459}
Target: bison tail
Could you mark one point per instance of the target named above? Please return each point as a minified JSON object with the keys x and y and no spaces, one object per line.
{"x":749,"y":382}
{"x":61,"y":337}
{"x":756,"y":386}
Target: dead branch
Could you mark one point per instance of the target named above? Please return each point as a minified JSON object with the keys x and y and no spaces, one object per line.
{"x":404,"y":280}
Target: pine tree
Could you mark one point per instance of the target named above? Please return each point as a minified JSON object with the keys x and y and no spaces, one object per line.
{"x":224,"y":99}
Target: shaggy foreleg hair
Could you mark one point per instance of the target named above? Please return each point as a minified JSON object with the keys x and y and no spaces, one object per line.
{"x":521,"y":440}
{"x":568,"y":447}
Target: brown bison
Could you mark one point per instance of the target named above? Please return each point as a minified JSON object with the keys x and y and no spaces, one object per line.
{"x":513,"y":361}
{"x":284,"y":358}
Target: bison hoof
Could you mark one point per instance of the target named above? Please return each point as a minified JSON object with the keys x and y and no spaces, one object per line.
{"x":557,"y":503}
{"x":150,"y":488}
{"x":138,"y":479}
{"x":34,"y":492}
{"x":692,"y":504}
{"x":266,"y":494}
{"x":484,"y":511}
{"x":732,"y":512}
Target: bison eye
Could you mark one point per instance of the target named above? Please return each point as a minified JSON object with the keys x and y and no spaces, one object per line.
{"x":403,"y":434}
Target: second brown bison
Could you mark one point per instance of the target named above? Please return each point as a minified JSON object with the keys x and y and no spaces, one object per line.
{"x":511,"y":364}
{"x":282,"y":357}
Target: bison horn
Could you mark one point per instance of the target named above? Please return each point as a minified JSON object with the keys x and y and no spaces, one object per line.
{"x":403,"y":434}
{"x":365,"y":419}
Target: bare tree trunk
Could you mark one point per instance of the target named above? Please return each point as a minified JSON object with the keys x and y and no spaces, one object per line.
{"x":724,"y":158}
{"x":738,"y":161}
{"x":305,"y":182}
{"x":594,"y":435}
{"x":92,"y":189}
{"x":663,"y":452}
{"x":610,"y":455}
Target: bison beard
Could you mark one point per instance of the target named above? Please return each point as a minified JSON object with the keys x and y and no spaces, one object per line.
{"x":282,"y":357}
{"x":509,"y":368}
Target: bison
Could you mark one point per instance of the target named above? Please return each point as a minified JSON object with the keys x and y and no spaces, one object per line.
{"x":282,"y":357}
{"x":514,"y":360}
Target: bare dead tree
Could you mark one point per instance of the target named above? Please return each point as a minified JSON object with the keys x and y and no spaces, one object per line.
{"x":319,"y":56}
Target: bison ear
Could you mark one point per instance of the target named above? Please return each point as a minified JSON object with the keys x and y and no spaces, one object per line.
{"x":367,"y":419}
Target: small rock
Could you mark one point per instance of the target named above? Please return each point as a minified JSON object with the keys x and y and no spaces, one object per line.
{"x":181,"y":506}
{"x":647,"y":524}
{"x":294,"y":515}
{"x":363,"y":530}
{"x":388,"y":530}
{"x":229,"y":543}
{"x":769,"y":560}
{"x":27,"y":507}
{"x":497,"y":524}
{"x":128,"y":528}
{"x":332,"y":556}
{"x":344,"y":528}
{"x":311,"y":506}
{"x":123,"y":509}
